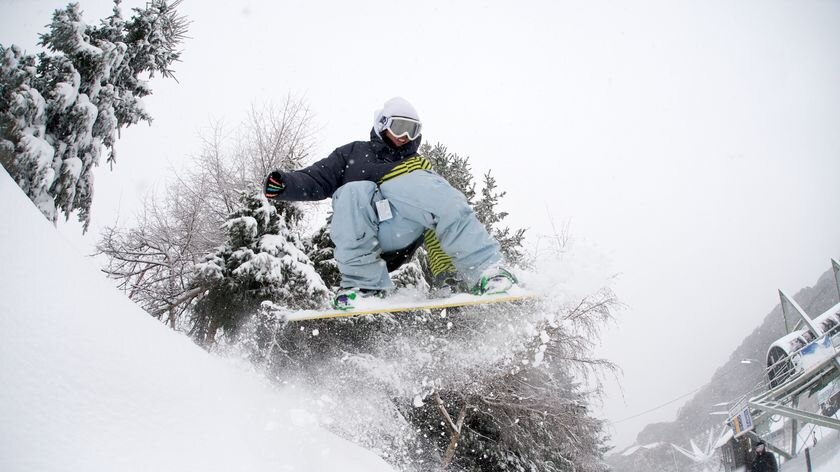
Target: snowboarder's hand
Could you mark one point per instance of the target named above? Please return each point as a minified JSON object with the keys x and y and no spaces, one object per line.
{"x":274,"y":184}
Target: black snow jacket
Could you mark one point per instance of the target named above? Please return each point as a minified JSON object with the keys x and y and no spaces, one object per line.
{"x":359,"y":160}
{"x":764,"y":462}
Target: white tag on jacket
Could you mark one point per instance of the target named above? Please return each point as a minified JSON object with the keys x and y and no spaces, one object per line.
{"x":383,"y":209}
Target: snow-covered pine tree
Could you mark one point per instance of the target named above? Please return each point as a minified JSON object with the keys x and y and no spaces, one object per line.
{"x":321,"y":251}
{"x":261,"y":260}
{"x":59,"y":110}
{"x":487,"y":213}
{"x":24,"y":150}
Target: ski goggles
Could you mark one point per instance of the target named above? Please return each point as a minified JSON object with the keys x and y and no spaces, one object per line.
{"x":399,"y":127}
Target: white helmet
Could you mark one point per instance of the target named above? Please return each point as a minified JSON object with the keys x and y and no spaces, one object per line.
{"x":398,"y":116}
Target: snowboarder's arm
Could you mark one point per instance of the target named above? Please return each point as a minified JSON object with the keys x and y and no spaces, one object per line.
{"x":315,"y":182}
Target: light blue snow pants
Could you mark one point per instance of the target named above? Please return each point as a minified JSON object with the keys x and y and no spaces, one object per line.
{"x":419,"y":199}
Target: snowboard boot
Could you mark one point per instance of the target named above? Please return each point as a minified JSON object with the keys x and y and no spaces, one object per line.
{"x":494,"y":280}
{"x":447,"y":284}
{"x":344,"y":297}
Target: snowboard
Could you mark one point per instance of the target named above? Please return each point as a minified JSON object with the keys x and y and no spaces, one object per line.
{"x":402,"y":302}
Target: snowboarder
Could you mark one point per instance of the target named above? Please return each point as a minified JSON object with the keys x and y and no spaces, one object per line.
{"x":386,"y":202}
{"x":763,"y":461}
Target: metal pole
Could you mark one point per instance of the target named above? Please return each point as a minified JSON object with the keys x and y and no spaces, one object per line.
{"x":808,"y":459}
{"x":794,"y":427}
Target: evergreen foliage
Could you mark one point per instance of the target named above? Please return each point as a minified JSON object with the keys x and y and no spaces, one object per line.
{"x":321,"y":251}
{"x":486,"y":211}
{"x":412,"y":274}
{"x":59,"y":109}
{"x":261,"y":260}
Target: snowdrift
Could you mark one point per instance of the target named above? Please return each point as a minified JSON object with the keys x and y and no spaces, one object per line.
{"x":88,"y":381}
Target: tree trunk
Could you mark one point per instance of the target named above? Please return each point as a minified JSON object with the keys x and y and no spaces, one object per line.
{"x":210,"y":336}
{"x":454,"y":429}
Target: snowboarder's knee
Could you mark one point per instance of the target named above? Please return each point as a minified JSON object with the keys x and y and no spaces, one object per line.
{"x":361,"y":189}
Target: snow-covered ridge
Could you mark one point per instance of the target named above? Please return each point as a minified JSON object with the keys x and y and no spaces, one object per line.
{"x":88,"y":381}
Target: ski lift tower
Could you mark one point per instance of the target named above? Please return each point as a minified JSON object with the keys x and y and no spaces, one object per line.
{"x":804,"y":361}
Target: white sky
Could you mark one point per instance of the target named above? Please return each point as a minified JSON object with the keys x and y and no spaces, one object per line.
{"x":695,"y":144}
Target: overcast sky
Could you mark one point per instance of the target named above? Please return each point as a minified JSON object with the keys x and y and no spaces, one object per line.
{"x":694,"y":144}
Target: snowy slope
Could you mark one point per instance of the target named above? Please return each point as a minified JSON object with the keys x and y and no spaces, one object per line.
{"x":90,"y":382}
